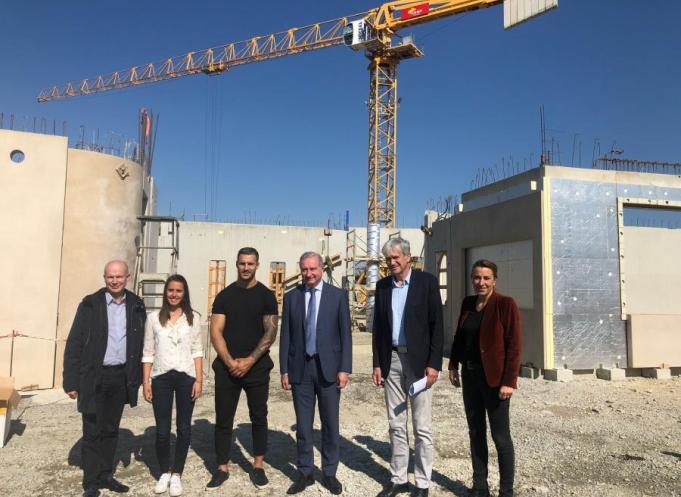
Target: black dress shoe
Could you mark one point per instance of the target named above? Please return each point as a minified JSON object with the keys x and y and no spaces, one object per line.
{"x":420,"y":492}
{"x":300,"y":484}
{"x":332,"y":484}
{"x":393,"y":489}
{"x":114,"y":485}
{"x":91,"y":492}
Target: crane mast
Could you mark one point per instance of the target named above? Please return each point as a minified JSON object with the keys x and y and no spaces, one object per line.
{"x":370,"y":31}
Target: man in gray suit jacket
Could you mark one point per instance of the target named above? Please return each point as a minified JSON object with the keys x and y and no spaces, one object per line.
{"x":315,"y":357}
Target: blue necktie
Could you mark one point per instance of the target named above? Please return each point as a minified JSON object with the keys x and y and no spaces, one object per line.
{"x":311,"y":325}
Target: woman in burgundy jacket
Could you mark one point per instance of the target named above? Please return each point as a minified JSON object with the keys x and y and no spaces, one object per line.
{"x":487,"y":345}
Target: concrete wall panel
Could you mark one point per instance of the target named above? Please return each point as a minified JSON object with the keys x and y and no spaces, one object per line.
{"x":201,"y":242}
{"x":515,"y":220}
{"x":31,"y":218}
{"x":652,"y":269}
{"x":654,"y":340}
{"x":103,"y":200}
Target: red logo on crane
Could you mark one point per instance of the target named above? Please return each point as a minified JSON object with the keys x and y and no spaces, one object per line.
{"x":415,"y":11}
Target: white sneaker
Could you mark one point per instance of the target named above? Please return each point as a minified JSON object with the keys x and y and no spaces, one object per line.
{"x":162,"y":483}
{"x":175,"y":485}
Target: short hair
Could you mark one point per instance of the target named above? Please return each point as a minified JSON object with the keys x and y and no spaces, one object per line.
{"x":116,"y":261}
{"x":396,"y":243}
{"x":487,"y":264}
{"x":248,"y":251}
{"x":307,"y":255}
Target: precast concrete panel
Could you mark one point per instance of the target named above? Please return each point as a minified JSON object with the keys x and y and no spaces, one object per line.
{"x":31,"y":218}
{"x":103,"y":201}
{"x":202,"y":242}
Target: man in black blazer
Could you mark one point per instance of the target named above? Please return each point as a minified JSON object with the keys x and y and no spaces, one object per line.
{"x":102,"y":369}
{"x":407,"y":347}
{"x":315,"y":357}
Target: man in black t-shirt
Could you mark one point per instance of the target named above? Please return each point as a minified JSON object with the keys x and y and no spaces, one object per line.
{"x":242,"y":329}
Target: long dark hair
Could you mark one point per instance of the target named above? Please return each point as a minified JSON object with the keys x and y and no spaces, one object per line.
{"x":185,"y":303}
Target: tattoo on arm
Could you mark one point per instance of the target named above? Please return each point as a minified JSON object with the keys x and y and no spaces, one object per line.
{"x":269,"y":322}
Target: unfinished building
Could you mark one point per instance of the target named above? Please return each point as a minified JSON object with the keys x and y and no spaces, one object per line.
{"x":595,"y":291}
{"x":64,"y":213}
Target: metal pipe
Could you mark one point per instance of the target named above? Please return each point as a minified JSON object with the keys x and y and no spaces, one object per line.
{"x":373,"y":244}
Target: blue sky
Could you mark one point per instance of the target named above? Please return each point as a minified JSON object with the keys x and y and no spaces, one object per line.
{"x":286,"y":140}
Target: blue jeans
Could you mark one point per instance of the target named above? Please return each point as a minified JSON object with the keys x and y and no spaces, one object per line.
{"x":162,"y":388}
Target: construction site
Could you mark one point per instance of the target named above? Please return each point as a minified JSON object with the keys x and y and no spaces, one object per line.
{"x":589,"y":250}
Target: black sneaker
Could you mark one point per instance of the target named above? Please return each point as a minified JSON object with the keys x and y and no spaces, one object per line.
{"x":218,"y":478}
{"x":259,"y":478}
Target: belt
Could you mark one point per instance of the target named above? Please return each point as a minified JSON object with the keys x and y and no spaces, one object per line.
{"x":310,"y":357}
{"x":400,"y":349}
{"x":115,"y":366}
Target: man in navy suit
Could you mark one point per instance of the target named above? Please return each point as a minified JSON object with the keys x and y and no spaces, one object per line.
{"x":315,"y":357}
{"x":407,"y":346}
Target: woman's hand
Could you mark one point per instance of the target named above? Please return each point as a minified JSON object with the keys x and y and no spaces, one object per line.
{"x":197,"y":389}
{"x":505,"y":392}
{"x":454,"y":378}
{"x":146,"y":390}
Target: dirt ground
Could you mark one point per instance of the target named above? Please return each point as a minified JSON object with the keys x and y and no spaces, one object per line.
{"x":585,"y":438}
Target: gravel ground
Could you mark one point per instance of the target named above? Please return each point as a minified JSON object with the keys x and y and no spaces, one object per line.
{"x":585,"y":438}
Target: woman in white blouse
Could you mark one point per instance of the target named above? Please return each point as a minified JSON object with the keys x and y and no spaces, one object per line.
{"x":172,"y":366}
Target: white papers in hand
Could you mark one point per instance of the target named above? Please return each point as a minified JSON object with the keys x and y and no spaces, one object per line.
{"x":417,"y":387}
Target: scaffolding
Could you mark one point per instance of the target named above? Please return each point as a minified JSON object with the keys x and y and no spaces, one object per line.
{"x":157,"y":250}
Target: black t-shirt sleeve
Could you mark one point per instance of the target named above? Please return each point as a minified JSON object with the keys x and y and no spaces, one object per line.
{"x":271,"y":306}
{"x":220,"y":303}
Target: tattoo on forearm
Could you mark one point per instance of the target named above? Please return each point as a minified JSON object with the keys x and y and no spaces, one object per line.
{"x":269,"y":322}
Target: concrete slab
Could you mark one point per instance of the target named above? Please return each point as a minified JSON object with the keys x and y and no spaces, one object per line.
{"x":563,"y":375}
{"x":657,"y":373}
{"x":611,"y":374}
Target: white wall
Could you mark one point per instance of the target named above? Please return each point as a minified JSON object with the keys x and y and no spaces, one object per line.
{"x":201,"y":242}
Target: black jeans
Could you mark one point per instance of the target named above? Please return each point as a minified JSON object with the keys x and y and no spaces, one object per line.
{"x":100,"y":429}
{"x":478,"y":399}
{"x":163,"y":387}
{"x":228,"y":388}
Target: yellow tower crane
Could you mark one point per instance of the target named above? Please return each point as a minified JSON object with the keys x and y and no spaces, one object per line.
{"x":370,"y":31}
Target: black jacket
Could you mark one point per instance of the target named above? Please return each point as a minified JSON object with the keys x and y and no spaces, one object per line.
{"x":422,"y":323}
{"x":86,"y":346}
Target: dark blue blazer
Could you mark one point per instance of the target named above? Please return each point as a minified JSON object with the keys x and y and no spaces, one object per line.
{"x":422,"y":322}
{"x":334,"y":336}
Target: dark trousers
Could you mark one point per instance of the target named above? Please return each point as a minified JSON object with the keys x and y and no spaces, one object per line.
{"x":328,"y":395}
{"x":163,"y":387}
{"x":100,"y":429}
{"x":478,"y":399}
{"x":256,"y":384}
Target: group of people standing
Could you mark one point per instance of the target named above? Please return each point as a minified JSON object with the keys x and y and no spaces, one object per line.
{"x":113,"y":347}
